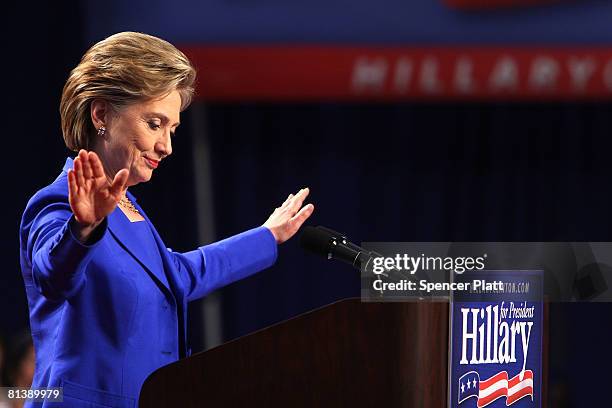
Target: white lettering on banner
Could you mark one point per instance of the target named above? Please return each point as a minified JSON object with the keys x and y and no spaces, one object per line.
{"x":581,"y":71}
{"x":505,"y":75}
{"x":465,"y":74}
{"x":493,"y":341}
{"x":464,"y":80}
{"x":544,"y":73}
{"x":369,"y":74}
{"x":403,"y":74}
{"x":430,"y":83}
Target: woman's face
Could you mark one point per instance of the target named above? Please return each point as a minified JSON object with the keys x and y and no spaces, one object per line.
{"x":139,"y":136}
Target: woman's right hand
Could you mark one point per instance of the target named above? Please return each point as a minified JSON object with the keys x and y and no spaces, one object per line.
{"x":90,"y":195}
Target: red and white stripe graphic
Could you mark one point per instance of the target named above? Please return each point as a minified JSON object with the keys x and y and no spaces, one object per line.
{"x":499,"y":386}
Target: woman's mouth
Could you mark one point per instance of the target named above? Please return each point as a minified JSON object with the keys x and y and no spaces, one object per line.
{"x":152,"y":163}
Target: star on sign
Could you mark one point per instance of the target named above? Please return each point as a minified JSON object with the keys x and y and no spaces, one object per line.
{"x":474,"y":382}
{"x":462,"y":387}
{"x":468,"y":384}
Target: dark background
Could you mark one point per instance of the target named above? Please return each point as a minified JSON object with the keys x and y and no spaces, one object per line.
{"x":380,"y":172}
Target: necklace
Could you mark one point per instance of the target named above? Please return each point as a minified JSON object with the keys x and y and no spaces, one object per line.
{"x":126,"y":203}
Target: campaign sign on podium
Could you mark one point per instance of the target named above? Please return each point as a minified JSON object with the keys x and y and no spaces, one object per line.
{"x":496,"y":340}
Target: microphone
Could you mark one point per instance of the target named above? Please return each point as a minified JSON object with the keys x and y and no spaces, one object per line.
{"x":331,"y":244}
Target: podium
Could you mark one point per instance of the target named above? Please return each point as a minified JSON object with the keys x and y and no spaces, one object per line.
{"x":346,"y":354}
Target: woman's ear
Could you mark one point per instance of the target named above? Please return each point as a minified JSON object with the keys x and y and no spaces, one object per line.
{"x":99,"y":111}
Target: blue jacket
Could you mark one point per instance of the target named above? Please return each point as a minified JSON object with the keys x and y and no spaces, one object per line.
{"x":104,"y":316}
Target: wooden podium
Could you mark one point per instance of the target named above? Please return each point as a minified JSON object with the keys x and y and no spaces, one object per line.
{"x":347,"y":354}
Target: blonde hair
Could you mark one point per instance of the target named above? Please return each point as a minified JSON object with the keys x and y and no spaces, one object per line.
{"x":122,"y":69}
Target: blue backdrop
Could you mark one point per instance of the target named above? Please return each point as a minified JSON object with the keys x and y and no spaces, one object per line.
{"x":355,"y":22}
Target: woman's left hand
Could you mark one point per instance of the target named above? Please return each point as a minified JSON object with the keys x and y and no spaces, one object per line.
{"x":287,"y":219}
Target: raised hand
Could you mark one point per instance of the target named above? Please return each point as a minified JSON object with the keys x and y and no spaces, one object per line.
{"x":90,"y":194}
{"x":287,"y":219}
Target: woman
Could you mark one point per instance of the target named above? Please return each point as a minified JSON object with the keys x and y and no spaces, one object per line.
{"x":107,"y":299}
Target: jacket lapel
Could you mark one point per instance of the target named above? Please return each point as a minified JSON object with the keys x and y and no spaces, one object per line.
{"x":176,"y":287}
{"x":134,"y":246}
{"x":166,"y":259}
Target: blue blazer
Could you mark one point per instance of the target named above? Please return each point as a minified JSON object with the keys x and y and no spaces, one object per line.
{"x":105,"y":315}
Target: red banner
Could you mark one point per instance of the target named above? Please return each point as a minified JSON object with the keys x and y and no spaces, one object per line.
{"x":300,"y":73}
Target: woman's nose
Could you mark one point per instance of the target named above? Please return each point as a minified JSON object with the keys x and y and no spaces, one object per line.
{"x":164,"y":147}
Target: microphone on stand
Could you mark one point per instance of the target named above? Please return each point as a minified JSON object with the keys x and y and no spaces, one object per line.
{"x":332,"y":244}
